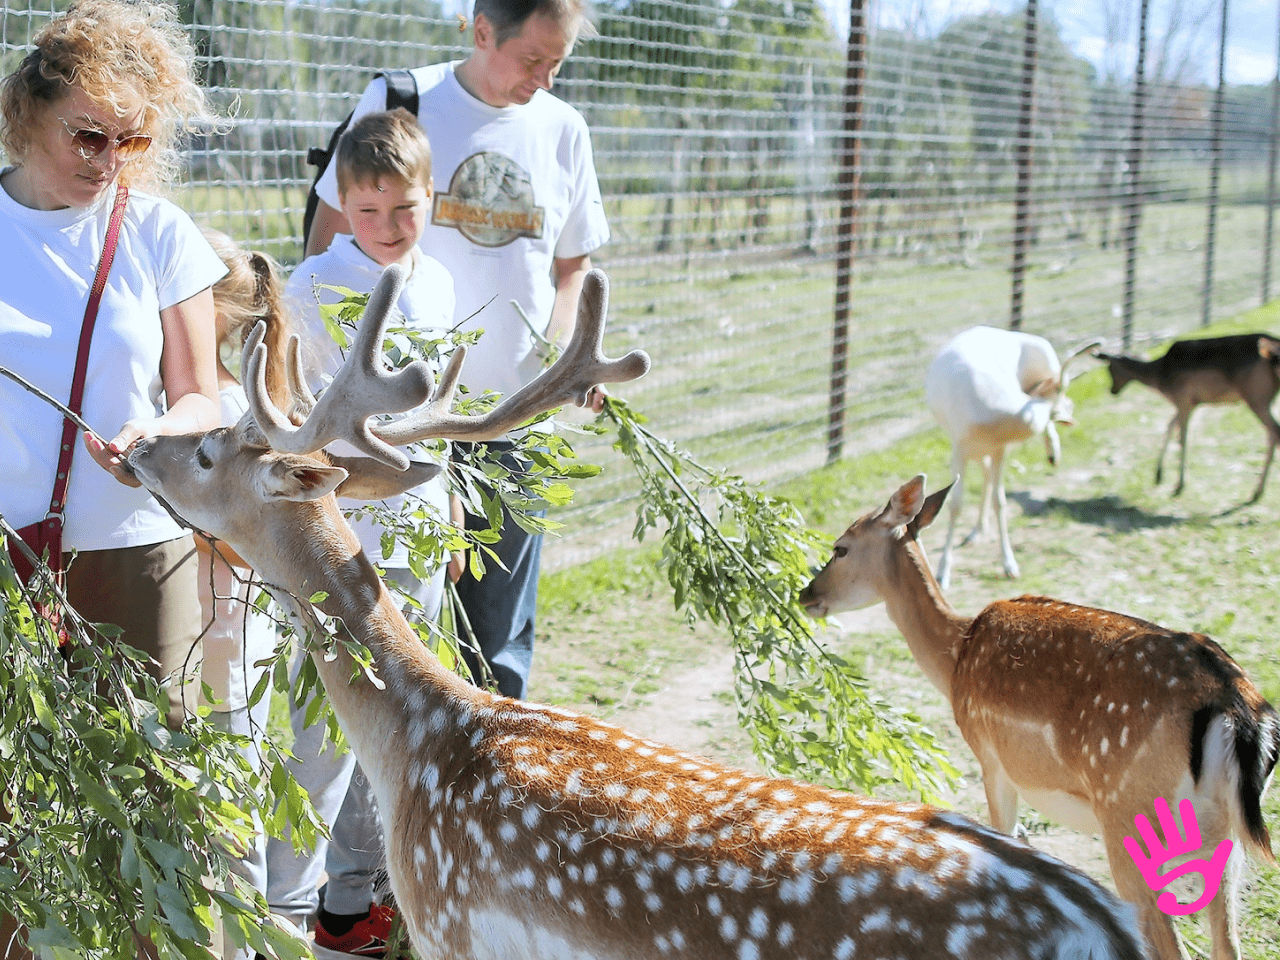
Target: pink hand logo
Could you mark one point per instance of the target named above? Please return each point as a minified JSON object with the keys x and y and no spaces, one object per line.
{"x":1175,"y":847}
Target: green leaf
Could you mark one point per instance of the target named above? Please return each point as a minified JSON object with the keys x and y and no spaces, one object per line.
{"x":129,"y":855}
{"x":40,"y":706}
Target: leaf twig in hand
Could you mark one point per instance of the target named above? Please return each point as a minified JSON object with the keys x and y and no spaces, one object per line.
{"x":738,"y":557}
{"x":546,"y":350}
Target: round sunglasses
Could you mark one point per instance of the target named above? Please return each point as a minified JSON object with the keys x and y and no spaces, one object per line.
{"x":90,"y":143}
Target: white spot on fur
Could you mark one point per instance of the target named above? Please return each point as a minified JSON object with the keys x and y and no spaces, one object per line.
{"x":728,"y":929}
{"x":798,"y":889}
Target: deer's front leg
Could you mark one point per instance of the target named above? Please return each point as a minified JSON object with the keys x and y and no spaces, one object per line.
{"x":1002,"y":516}
{"x":1002,"y":797}
{"x":979,"y":531}
{"x":1182,"y":452}
{"x":1168,"y":435}
{"x":943,"y":573}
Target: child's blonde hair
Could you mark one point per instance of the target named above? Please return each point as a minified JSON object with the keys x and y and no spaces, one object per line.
{"x":253,"y":290}
{"x":386,"y":143}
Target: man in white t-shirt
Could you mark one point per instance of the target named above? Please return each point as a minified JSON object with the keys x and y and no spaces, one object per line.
{"x":515,"y":217}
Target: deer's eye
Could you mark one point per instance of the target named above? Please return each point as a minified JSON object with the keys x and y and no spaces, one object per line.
{"x":202,"y":458}
{"x":840,"y":551}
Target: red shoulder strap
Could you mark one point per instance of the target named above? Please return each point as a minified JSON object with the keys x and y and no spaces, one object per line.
{"x":69,"y":428}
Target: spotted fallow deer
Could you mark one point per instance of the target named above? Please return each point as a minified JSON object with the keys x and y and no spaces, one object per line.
{"x":1089,"y":715}
{"x":1238,"y":369}
{"x":515,"y":830}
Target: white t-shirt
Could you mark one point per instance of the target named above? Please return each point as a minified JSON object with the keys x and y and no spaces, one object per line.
{"x":515,"y":189}
{"x":426,"y":303}
{"x":235,"y":635}
{"x":49,"y":259}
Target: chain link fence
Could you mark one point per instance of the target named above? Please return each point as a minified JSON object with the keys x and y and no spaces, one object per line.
{"x":805,"y":205}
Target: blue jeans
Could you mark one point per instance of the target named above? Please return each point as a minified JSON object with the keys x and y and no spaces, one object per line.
{"x":501,"y":605}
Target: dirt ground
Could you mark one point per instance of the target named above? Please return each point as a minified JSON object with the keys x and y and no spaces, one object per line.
{"x":1093,"y":531}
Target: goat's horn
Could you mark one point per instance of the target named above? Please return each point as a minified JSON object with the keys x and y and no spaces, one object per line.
{"x":1089,"y":349}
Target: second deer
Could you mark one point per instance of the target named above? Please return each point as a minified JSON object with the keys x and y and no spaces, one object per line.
{"x":1090,"y":715}
{"x":1238,"y":369}
{"x":517,"y":831}
{"x":989,"y":389}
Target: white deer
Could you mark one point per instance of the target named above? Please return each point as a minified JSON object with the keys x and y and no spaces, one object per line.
{"x":1090,"y":715}
{"x":989,"y":389}
{"x":516,"y":830}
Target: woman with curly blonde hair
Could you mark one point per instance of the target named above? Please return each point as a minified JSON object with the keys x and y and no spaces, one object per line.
{"x":89,"y":121}
{"x":131,"y":60}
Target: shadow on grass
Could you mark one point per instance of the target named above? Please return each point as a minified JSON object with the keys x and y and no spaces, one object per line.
{"x":1108,"y":511}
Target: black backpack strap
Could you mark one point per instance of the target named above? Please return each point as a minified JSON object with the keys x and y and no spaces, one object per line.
{"x":402,"y":90}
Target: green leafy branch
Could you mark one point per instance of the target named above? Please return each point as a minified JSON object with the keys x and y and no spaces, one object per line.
{"x":739,"y":557}
{"x":116,"y":822}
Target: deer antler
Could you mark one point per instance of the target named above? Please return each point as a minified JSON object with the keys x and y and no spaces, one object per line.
{"x":361,"y":389}
{"x":580,"y":367}
{"x":1089,"y":349}
{"x":364,"y":387}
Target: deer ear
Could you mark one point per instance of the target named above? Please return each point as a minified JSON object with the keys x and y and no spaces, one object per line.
{"x":370,"y":479}
{"x":300,"y":478}
{"x":906,"y":503}
{"x":932,"y":504}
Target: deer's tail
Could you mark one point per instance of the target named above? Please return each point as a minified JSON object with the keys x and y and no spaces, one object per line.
{"x":1247,"y":747}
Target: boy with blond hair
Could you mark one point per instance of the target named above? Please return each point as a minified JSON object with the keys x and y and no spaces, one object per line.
{"x":383,"y":165}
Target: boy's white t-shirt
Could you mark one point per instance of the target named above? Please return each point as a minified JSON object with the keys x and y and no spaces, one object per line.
{"x":426,"y":303}
{"x":49,"y":258}
{"x":236,"y":636}
{"x":515,"y":189}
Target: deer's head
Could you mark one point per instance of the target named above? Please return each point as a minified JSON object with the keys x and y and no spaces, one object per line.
{"x":1120,"y":374}
{"x":849,"y":581}
{"x":242,"y":483}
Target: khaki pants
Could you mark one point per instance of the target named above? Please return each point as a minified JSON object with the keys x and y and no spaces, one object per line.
{"x":150,"y":592}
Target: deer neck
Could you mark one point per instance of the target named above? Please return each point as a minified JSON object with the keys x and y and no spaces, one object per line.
{"x":923,"y":616}
{"x":410,"y":682}
{"x":1144,"y":371}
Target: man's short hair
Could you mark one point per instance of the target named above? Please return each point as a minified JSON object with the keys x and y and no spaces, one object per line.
{"x":386,"y":143}
{"x":507,"y":17}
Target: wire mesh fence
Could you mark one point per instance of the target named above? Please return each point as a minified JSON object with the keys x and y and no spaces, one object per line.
{"x":748,"y":190}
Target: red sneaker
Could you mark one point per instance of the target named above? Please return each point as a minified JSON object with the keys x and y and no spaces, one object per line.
{"x":368,"y":938}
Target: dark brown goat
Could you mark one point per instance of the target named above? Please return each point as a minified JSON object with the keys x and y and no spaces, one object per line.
{"x":1242,"y":368}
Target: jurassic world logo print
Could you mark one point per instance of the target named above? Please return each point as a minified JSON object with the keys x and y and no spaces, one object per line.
{"x":490,"y":201}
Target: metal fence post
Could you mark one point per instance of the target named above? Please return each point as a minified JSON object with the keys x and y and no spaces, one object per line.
{"x":1022,"y":197}
{"x":1206,"y":311}
{"x":847,"y":228}
{"x":1271,"y":178}
{"x":1133,"y":179}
